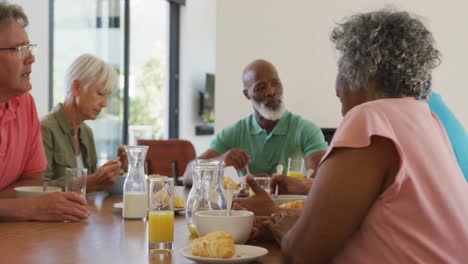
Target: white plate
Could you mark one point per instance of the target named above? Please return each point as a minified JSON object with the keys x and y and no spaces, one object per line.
{"x":244,"y":254}
{"x":120,"y":206}
{"x":286,"y":198}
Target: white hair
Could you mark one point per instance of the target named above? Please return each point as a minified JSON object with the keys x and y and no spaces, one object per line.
{"x":89,"y":69}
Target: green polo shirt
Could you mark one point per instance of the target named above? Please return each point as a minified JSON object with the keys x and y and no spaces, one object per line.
{"x":293,"y":136}
{"x":57,"y":136}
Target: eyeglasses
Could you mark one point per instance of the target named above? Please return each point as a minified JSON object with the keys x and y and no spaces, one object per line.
{"x":24,"y":50}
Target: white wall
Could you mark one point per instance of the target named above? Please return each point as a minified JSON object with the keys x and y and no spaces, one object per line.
{"x":197,"y":57}
{"x":38,"y":31}
{"x":294,"y":35}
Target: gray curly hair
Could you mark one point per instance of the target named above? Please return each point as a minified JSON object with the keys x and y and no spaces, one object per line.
{"x":392,"y":47}
{"x":11,"y":11}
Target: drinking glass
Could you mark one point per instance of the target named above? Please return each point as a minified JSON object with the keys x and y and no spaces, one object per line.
{"x":75,"y":181}
{"x":296,"y":168}
{"x":263,"y":182}
{"x":161,"y":215}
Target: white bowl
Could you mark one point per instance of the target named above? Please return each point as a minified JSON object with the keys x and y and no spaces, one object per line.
{"x":286,"y":198}
{"x":117,"y":187}
{"x":239,"y":224}
{"x":34,"y":191}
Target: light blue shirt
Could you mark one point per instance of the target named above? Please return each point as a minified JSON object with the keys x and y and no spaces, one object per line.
{"x":455,"y":130}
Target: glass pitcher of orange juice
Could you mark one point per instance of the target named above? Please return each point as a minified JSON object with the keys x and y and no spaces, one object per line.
{"x":206,"y":192}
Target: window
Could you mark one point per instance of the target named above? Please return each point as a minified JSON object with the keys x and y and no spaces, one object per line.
{"x":139,"y":50}
{"x":149,"y":31}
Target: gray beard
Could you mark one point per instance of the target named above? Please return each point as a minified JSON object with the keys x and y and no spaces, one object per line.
{"x":268,"y":113}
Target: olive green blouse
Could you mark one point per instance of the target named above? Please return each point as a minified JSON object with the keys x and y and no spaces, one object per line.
{"x":57,"y":136}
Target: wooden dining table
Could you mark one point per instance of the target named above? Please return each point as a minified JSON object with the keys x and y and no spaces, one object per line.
{"x":105,"y":237}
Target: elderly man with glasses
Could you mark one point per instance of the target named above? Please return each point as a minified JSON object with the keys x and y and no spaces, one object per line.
{"x":22,"y":157}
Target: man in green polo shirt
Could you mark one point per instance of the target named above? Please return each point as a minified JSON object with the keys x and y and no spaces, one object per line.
{"x":271,"y":134}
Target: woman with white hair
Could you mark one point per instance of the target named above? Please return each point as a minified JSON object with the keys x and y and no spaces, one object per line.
{"x":68,"y":141}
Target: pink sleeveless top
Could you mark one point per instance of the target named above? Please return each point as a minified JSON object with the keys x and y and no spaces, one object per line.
{"x":423,"y":216}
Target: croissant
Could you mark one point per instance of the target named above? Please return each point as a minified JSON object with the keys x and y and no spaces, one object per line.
{"x":294,"y":204}
{"x":178,"y":201}
{"x":214,"y":245}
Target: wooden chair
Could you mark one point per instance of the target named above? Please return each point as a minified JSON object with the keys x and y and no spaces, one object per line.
{"x":168,"y":157}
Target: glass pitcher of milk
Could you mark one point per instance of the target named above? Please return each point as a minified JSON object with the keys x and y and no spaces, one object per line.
{"x":206,"y":192}
{"x":135,"y":190}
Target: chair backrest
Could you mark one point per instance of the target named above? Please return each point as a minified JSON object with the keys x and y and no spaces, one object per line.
{"x":168,"y":157}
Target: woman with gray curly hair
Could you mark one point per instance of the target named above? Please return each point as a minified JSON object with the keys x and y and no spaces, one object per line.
{"x":389,"y":189}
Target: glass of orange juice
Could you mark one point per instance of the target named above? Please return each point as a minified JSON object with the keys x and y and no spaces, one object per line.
{"x":161,"y":215}
{"x":296,"y":168}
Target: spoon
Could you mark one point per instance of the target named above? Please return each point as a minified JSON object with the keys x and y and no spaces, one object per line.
{"x":247,"y":168}
{"x":279,"y":170}
{"x":229,"y":195}
{"x":309,"y":173}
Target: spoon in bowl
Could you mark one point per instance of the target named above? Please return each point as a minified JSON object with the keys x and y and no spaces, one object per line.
{"x":229,"y":195}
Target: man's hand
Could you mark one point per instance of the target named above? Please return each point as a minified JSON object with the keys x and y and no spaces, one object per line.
{"x":280,"y":223}
{"x":289,"y":185}
{"x":122,"y":154}
{"x":260,"y":203}
{"x":58,"y":206}
{"x":237,"y":157}
{"x":105,"y":175}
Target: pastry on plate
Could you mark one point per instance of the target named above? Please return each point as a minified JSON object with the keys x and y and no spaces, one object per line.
{"x":294,"y":204}
{"x":214,"y":245}
{"x":227,"y":181}
{"x":178,"y":202}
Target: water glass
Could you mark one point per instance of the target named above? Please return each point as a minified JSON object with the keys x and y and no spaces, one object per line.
{"x":161,"y":215}
{"x":75,"y":181}
{"x":296,"y":168}
{"x":263,"y":182}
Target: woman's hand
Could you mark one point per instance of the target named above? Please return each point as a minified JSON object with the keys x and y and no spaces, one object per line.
{"x":260,"y":230}
{"x":260,"y":203}
{"x":122,"y":155}
{"x":280,"y":223}
{"x":289,"y":185}
{"x":104,"y":176}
